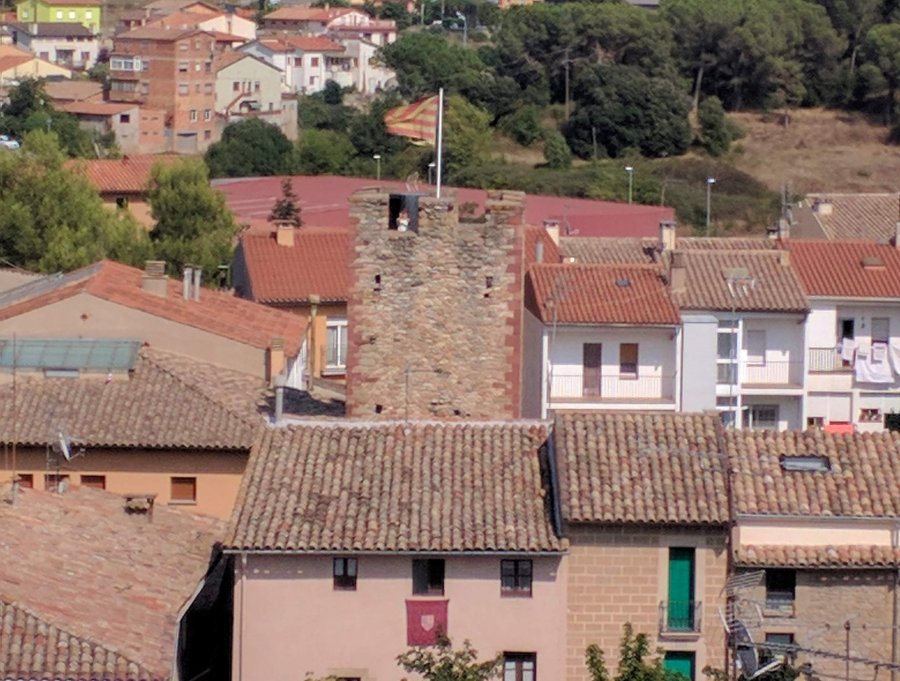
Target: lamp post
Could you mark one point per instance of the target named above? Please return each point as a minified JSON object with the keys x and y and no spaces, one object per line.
{"x":462,"y":18}
{"x":377,"y":158}
{"x":431,"y":167}
{"x":710,"y":181}
{"x":630,"y":171}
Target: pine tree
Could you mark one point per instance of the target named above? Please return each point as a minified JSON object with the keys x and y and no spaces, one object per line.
{"x":286,"y":209}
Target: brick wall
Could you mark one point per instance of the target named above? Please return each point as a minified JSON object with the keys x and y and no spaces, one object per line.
{"x":435,"y":316}
{"x":620,"y":574}
{"x":824,"y":601}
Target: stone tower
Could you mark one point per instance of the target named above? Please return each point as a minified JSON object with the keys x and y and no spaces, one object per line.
{"x":435,"y":311}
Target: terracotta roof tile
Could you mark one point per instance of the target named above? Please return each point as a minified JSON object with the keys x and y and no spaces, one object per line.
{"x":216,"y":312}
{"x":319,"y":263}
{"x":844,"y":556}
{"x":609,"y":249}
{"x":855,"y":216}
{"x":549,"y":249}
{"x":73,"y":90}
{"x":65,"y":555}
{"x":168,"y":402}
{"x":775,"y":286}
{"x":318,"y":14}
{"x":32,"y":649}
{"x":648,"y":467}
{"x":314,"y":43}
{"x":599,"y":294}
{"x":395,"y":487}
{"x":54,"y":29}
{"x":127,"y":175}
{"x":835,"y":268}
{"x":863,"y":480}
{"x":95,"y":108}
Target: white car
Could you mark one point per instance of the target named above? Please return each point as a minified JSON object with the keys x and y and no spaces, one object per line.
{"x":8,"y":142}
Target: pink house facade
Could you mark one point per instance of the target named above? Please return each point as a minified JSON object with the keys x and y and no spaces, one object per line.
{"x":354,"y":542}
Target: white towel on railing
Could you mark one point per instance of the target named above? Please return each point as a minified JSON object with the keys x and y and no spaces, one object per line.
{"x":847,"y":348}
{"x":894,"y":353}
{"x":872,"y":366}
{"x":879,"y":352}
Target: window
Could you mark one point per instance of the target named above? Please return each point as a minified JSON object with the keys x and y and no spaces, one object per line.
{"x":54,"y":482}
{"x":682,"y":662}
{"x":197,"y":88}
{"x":314,"y":62}
{"x":881,"y":329}
{"x":145,"y":88}
{"x":193,"y":115}
{"x":94,"y":481}
{"x":124,"y":118}
{"x":121,"y":202}
{"x":182,"y":89}
{"x":145,"y":65}
{"x":125,"y":64}
{"x":236,"y":86}
{"x":26,"y":480}
{"x":761,"y":417}
{"x":756,"y":347}
{"x":256,"y":86}
{"x":680,"y":605}
{"x":428,"y":577}
{"x":767,"y":655}
{"x":780,"y":589}
{"x":344,"y":571}
{"x":591,"y":369}
{"x":208,"y":88}
{"x":71,"y":14}
{"x":726,"y":354}
{"x":336,"y":346}
{"x":184,"y":491}
{"x":207,"y":134}
{"x":628,"y":360}
{"x":519,"y":667}
{"x":207,"y":114}
{"x":515,"y":577}
{"x":847,"y":328}
{"x":88,"y":14}
{"x":182,"y":67}
{"x":870,"y":415}
{"x":59,"y":14}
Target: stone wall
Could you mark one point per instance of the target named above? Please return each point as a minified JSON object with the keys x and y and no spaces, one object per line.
{"x":435,"y":315}
{"x":620,"y":574}
{"x":824,"y":601}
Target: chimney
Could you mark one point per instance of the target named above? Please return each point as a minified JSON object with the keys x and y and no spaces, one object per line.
{"x":187,"y":280}
{"x":552,"y":227}
{"x":823,"y":207}
{"x":198,"y":277}
{"x":154,"y":279}
{"x":677,"y":273}
{"x":284,"y":234}
{"x":276,"y":358}
{"x":280,"y":380}
{"x":667,"y":235}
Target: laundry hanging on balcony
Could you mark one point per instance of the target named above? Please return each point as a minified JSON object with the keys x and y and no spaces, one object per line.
{"x":872,"y":364}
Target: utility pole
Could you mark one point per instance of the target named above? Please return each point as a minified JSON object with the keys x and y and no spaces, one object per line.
{"x":710,"y":181}
{"x":630,"y":171}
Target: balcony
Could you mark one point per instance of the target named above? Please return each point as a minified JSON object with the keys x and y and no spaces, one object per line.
{"x":769,"y":374}
{"x":570,"y":387}
{"x":680,"y":617}
{"x":826,"y":360}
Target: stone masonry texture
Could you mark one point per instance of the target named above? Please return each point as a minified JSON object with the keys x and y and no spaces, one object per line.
{"x":435,"y":315}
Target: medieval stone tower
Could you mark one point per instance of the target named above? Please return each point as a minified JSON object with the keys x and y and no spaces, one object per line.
{"x":435,"y":311}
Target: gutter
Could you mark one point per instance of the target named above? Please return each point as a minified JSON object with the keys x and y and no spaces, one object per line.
{"x":243,"y":552}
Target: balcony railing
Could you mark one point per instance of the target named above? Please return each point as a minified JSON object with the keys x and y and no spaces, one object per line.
{"x":777,"y":373}
{"x":680,"y":617}
{"x":572,"y":386}
{"x":826,"y":360}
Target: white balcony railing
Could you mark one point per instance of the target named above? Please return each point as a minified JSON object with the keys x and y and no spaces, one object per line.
{"x":571,"y":386}
{"x":826,"y":360}
{"x":776,"y":373}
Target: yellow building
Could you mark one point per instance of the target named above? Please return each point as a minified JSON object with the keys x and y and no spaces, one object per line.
{"x":61,"y":11}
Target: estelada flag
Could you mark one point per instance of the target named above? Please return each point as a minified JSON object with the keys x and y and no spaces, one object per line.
{"x":417,"y":121}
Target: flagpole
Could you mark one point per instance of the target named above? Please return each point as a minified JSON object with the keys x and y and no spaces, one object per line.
{"x":440,"y":140}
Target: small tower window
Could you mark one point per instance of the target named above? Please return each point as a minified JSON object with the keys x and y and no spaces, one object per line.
{"x":403,"y":212}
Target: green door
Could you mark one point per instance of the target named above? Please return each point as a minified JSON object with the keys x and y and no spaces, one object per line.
{"x":681,"y":662}
{"x":680,"y":607}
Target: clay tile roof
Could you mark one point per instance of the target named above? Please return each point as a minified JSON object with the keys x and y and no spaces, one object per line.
{"x":863,"y":480}
{"x":153,"y":32}
{"x":8,"y":62}
{"x":319,"y":263}
{"x":858,"y":556}
{"x":539,"y":235}
{"x":73,"y":3}
{"x":572,"y":293}
{"x":835,"y":268}
{"x":420,"y":486}
{"x":55,"y":29}
{"x":314,"y":43}
{"x":216,"y":312}
{"x":774,"y":288}
{"x":73,"y":90}
{"x":32,"y":649}
{"x":622,"y":250}
{"x":618,"y":467}
{"x":318,"y":14}
{"x":129,"y":174}
{"x":168,"y":401}
{"x":95,"y":109}
{"x":854,"y":216}
{"x":79,"y":562}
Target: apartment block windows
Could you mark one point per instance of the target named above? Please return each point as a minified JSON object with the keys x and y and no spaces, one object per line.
{"x":428,"y":577}
{"x":314,"y":62}
{"x":628,"y":360}
{"x":344,"y":571}
{"x":336,"y":346}
{"x":183,"y":67}
{"x":236,"y":86}
{"x":515,"y":577}
{"x":207,"y":115}
{"x":193,"y":115}
{"x":124,"y":118}
{"x":781,"y":586}
{"x":519,"y":667}
{"x":59,"y":14}
{"x":591,"y":369}
{"x":183,"y":490}
{"x":680,"y":606}
{"x":183,"y":89}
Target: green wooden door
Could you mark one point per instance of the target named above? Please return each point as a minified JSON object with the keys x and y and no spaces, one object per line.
{"x":681,"y":662}
{"x":680,"y":608}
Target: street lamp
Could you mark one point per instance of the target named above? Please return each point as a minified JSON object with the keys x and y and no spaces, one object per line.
{"x":377,"y":158}
{"x":462,"y":17}
{"x":431,"y":167}
{"x":710,"y":181}
{"x":630,"y":171}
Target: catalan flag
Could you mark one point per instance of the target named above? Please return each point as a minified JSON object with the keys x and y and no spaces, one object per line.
{"x":418,"y":121}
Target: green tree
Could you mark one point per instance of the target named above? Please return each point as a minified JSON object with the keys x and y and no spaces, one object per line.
{"x":716,"y":131}
{"x":467,"y":135}
{"x":52,"y":218}
{"x":634,"y":664}
{"x":193,"y":224}
{"x":556,"y":150}
{"x":250,"y":148}
{"x":441,"y":663}
{"x":286,"y":208}
{"x":323,"y":152}
{"x":883,"y":50}
{"x":523,"y":125}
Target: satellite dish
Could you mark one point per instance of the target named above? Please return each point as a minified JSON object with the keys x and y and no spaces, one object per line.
{"x":65,"y":447}
{"x":744,"y":650}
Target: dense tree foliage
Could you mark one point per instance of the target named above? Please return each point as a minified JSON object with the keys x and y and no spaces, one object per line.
{"x":441,"y":662}
{"x":635,"y":663}
{"x":249,"y":148}
{"x":52,"y":218}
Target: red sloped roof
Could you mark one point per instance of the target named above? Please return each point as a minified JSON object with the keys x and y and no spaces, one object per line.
{"x":309,"y":13}
{"x":216,"y":312}
{"x":319,"y":263}
{"x":314,"y":43}
{"x":95,"y":108}
{"x":539,"y":235}
{"x":573,"y":293}
{"x":835,"y":268}
{"x":129,"y":174}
